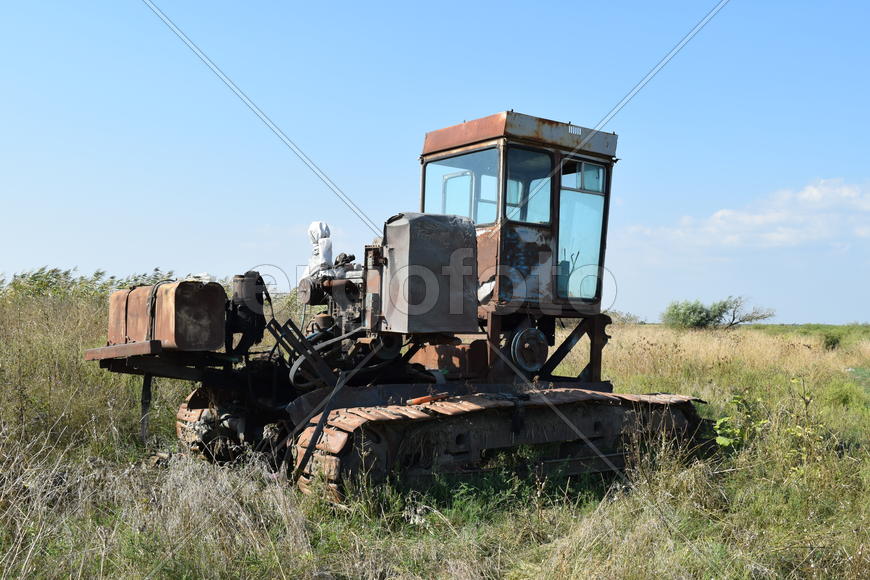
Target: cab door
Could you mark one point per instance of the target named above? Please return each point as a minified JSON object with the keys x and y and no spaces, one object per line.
{"x":582,"y":208}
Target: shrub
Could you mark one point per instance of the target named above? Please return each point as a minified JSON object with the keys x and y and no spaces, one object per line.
{"x":688,"y":314}
{"x":831,"y":341}
{"x":620,"y":317}
{"x":722,"y":314}
{"x":58,"y":283}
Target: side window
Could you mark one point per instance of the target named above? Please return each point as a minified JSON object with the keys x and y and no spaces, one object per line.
{"x":581,"y":221}
{"x":528,"y":186}
{"x":578,"y":174}
{"x":593,"y":177}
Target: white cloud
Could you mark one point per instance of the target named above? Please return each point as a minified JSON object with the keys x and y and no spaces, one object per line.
{"x":828,"y":210}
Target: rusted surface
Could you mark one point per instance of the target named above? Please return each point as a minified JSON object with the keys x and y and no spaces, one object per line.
{"x":118,"y":306}
{"x":346,"y":421}
{"x":456,"y":431}
{"x":519,"y":126}
{"x":465,"y":133}
{"x":188,"y":315}
{"x":375,"y":414}
{"x":455,"y":361}
{"x":187,"y":415}
{"x":565,"y":135}
{"x":124,"y":350}
{"x":488,"y":238}
{"x":331,"y":440}
{"x":411,"y":412}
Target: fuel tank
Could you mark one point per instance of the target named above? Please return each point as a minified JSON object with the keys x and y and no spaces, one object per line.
{"x":187,"y":315}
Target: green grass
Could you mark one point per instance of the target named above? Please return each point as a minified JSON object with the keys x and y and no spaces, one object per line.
{"x":846,"y":334}
{"x":787,"y":499}
{"x":861,"y":376}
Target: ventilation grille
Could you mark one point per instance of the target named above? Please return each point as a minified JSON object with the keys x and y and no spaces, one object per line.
{"x":575,"y":130}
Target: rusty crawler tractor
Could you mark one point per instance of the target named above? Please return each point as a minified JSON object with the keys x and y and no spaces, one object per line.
{"x":433,"y":353}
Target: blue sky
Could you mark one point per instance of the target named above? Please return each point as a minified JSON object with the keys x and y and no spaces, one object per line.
{"x":744,"y":163}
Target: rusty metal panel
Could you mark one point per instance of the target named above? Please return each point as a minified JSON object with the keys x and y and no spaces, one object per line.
{"x":384,"y":414}
{"x":445,"y":408}
{"x":658,"y":398}
{"x":489,"y":403}
{"x":188,"y":315}
{"x":305,"y":437}
{"x":519,"y":126}
{"x":189,"y":415}
{"x":564,"y":135}
{"x":118,"y":316}
{"x":371,"y":414}
{"x":469,"y":405}
{"x":455,"y":361}
{"x":134,"y":316}
{"x":425,"y":289}
{"x":409,"y":412}
{"x":344,"y":420}
{"x":331,"y":440}
{"x":488,"y":238}
{"x":561,"y":396}
{"x":565,"y":396}
{"x":465,"y":133}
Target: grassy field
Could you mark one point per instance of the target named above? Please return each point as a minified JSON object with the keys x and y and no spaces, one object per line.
{"x":785,"y":497}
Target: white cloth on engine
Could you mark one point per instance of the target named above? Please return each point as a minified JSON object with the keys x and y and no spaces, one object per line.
{"x":320,"y":261}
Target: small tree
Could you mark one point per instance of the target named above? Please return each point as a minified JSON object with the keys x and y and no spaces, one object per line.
{"x":722,"y":314}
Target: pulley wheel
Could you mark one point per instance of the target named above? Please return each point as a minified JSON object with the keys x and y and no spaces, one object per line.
{"x":529,"y":349}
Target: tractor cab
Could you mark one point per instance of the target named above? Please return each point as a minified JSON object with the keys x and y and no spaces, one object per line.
{"x":538,"y":192}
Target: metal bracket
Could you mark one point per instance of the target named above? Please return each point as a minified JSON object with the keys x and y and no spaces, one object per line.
{"x":291,"y":339}
{"x":593,"y":326}
{"x":145,"y":402}
{"x":325,"y":408}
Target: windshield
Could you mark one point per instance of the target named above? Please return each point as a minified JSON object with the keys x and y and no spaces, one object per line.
{"x":465,"y":185}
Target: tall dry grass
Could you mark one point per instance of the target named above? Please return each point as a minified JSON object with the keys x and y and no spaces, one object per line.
{"x":787,"y":497}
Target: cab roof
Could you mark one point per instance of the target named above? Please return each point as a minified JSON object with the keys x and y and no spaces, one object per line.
{"x":523,"y":127}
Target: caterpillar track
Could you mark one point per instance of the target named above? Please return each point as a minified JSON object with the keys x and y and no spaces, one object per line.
{"x":575,"y":431}
{"x":204,"y":431}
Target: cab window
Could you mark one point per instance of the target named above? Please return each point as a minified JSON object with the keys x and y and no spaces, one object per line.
{"x":465,"y":185}
{"x":527,"y":195}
